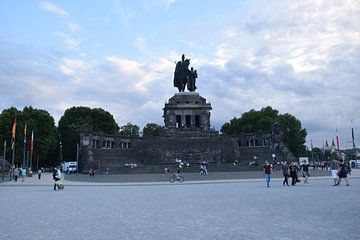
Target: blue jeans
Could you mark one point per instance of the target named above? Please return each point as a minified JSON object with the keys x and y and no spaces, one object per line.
{"x":267,"y":178}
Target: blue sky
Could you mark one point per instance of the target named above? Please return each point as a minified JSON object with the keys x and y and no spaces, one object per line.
{"x":300,"y":57}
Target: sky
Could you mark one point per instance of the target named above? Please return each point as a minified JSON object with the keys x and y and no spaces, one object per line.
{"x":299,"y":57}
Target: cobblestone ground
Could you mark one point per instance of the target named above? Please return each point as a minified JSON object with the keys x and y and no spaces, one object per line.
{"x":231,"y":210}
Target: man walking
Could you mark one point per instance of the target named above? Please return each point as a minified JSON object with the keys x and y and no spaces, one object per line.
{"x":267,"y":172}
{"x":334,"y":170}
{"x":285,"y":170}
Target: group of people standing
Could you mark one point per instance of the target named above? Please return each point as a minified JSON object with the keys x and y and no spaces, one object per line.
{"x":339,"y":171}
{"x":292,"y":171}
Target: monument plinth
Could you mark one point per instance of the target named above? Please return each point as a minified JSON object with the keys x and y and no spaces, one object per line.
{"x":187,"y":113}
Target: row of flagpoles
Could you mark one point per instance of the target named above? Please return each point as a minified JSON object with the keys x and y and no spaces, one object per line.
{"x":338,"y":142}
{"x":31,"y":146}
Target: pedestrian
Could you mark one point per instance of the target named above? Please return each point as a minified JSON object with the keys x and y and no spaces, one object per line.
{"x":56,"y":176}
{"x":334,"y":169}
{"x":39,"y":173}
{"x":293,"y":173}
{"x":16,"y":174}
{"x":285,"y":170}
{"x":23,"y":174}
{"x":92,"y":173}
{"x":267,"y":172}
{"x":306,"y":175}
{"x":342,"y":173}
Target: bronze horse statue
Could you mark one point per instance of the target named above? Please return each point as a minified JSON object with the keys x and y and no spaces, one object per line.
{"x":181,"y":75}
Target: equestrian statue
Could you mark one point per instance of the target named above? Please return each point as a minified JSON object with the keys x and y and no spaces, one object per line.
{"x":183,"y":76}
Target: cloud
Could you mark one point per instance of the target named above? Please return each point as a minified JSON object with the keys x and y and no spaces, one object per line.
{"x":298,"y":57}
{"x":53,"y":8}
{"x":69,"y":41}
{"x":158,"y":4}
{"x":74,"y":27}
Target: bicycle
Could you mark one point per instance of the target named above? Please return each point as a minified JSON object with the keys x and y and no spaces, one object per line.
{"x":176,"y":177}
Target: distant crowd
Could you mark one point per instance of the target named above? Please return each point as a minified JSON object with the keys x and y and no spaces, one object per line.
{"x":339,"y":171}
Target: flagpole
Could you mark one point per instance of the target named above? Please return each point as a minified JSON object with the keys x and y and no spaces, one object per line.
{"x":13,"y":157}
{"x":312,"y":151}
{"x":24,"y":151}
{"x":32,"y":148}
{"x":3,"y":165}
{"x":13,"y":131}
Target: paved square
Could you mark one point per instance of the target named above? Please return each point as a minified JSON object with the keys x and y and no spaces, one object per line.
{"x":234,"y":210}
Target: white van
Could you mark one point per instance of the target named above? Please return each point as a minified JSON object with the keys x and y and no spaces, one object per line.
{"x":354,"y":163}
{"x":69,"y":167}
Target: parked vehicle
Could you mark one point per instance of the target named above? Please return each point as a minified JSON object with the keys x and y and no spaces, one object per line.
{"x":355,"y":163}
{"x":69,"y":167}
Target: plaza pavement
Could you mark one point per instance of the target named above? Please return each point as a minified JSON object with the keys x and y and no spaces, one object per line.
{"x":162,"y":178}
{"x":219,"y":209}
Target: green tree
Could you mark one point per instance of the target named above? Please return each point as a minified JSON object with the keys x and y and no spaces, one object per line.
{"x":263,"y":120}
{"x":129,"y":130}
{"x":39,"y":122}
{"x":317,"y":153}
{"x":74,"y":118}
{"x":294,"y":134}
{"x":152,"y":130}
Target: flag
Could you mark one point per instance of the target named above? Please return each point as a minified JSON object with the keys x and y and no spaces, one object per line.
{"x":32,"y":143}
{"x":13,"y":131}
{"x":337,"y":140}
{"x":353,"y":137}
{"x":25,"y":133}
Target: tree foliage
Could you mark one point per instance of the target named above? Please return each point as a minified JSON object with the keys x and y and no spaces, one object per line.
{"x":263,"y":120}
{"x":46,"y":148}
{"x":152,"y":130}
{"x":129,"y":130}
{"x":74,"y":118}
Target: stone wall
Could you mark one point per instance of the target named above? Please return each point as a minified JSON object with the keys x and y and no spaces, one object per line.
{"x":164,"y":150}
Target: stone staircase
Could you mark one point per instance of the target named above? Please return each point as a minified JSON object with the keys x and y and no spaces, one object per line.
{"x":261,"y":152}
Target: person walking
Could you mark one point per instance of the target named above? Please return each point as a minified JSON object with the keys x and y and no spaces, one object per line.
{"x":16,"y":174}
{"x":23,"y":174}
{"x":56,"y":177}
{"x":39,"y":173}
{"x":334,"y":169}
{"x":342,"y":173}
{"x":267,"y":172}
{"x":285,"y":170}
{"x":293,"y":173}
{"x":306,"y":175}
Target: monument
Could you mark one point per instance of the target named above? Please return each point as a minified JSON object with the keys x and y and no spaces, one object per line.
{"x":188,"y":135}
{"x":187,"y":113}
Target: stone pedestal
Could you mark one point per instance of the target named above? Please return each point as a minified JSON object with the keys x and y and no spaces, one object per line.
{"x":187,"y":113}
